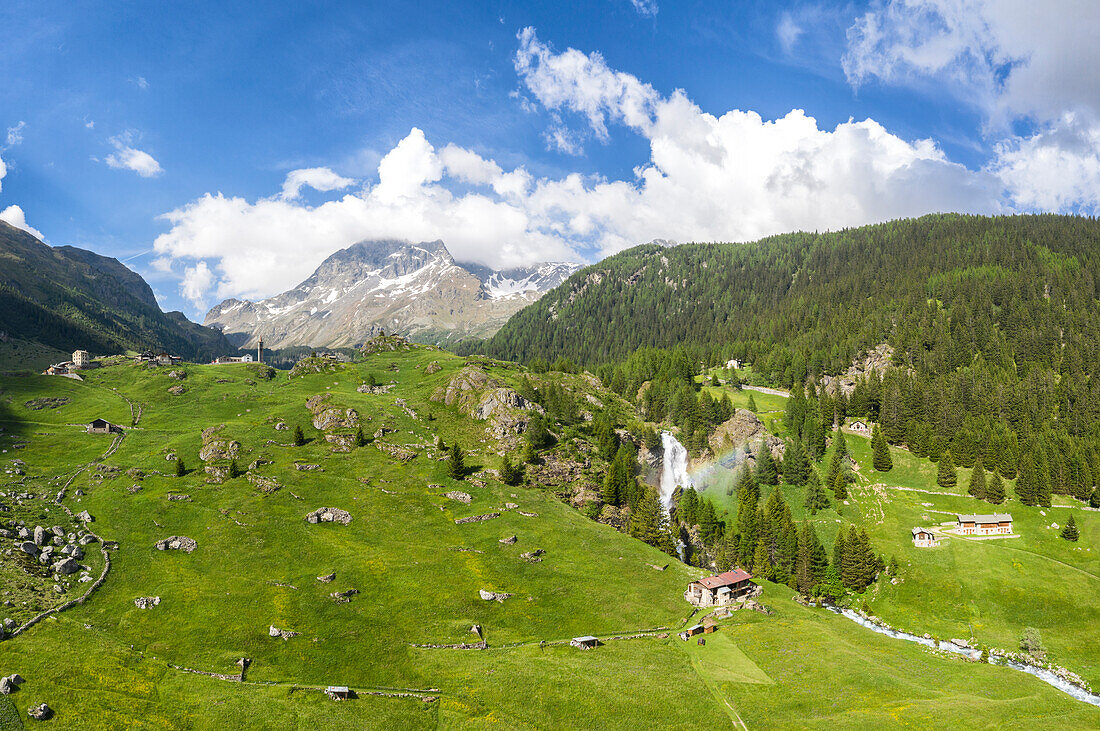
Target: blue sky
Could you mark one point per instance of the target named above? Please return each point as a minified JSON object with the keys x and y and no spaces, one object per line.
{"x":169,"y":136}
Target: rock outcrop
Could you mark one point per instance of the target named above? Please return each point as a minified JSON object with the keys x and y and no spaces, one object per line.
{"x":215,"y":447}
{"x":329,"y":515}
{"x":177,"y":543}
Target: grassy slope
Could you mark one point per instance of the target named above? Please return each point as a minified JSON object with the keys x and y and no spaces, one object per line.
{"x":105,"y":664}
{"x":991,"y":588}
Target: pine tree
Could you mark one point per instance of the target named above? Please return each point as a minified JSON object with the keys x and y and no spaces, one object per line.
{"x":1070,"y":531}
{"x":456,"y":463}
{"x":838,"y":549}
{"x":510,"y":473}
{"x":977,"y":486}
{"x":880,"y":451}
{"x":1094,"y":499}
{"x":234,"y":469}
{"x":181,"y":470}
{"x":748,"y":495}
{"x":299,"y":437}
{"x":766,"y":471}
{"x":816,"y":497}
{"x":796,"y":466}
{"x":761,"y":565}
{"x":537,"y":434}
{"x":752,"y":404}
{"x":812,"y":562}
{"x":841,"y":444}
{"x":946,"y":476}
{"x":995,"y":489}
{"x":840,"y":485}
{"x":530,"y":455}
{"x":360,"y":438}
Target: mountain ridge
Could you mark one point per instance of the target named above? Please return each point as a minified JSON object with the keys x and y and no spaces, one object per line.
{"x":416,"y":289}
{"x":69,"y":298}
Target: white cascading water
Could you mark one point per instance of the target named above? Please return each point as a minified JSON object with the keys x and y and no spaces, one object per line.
{"x":674,"y":468}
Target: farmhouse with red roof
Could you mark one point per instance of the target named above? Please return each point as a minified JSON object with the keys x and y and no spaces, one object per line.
{"x":725,"y":588}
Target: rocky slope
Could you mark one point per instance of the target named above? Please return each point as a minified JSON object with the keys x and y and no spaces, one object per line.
{"x":414,"y":289}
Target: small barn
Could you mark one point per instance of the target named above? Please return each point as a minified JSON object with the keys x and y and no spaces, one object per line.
{"x":102,"y":426}
{"x":924,"y":538}
{"x":695,"y":630}
{"x":860,"y":427}
{"x":725,"y":588}
{"x":588,"y":642}
{"x":709,"y":626}
{"x":984,"y":525}
{"x":339,"y":692}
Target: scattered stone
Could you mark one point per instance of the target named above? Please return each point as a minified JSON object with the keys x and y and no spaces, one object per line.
{"x":458,"y":495}
{"x":85,"y":517}
{"x":266,"y":485}
{"x":398,"y":452}
{"x":432,"y":367}
{"x":66,"y":566}
{"x":490,"y":596}
{"x":41,"y":712}
{"x":508,"y":541}
{"x":533,"y":556}
{"x":16,"y":679}
{"x":341,"y":442}
{"x":284,"y":634}
{"x":327,"y":579}
{"x":6,"y":686}
{"x":57,"y":531}
{"x":259,"y":463}
{"x":528,"y":515}
{"x":178,"y":497}
{"x":29,"y":547}
{"x":477,"y":518}
{"x":47,"y":402}
{"x":303,"y":467}
{"x":510,"y":506}
{"x":178,"y":375}
{"x":327,"y":416}
{"x":329,"y":515}
{"x":177,"y":543}
{"x":39,"y":535}
{"x":90,"y":538}
{"x":281,"y":426}
{"x":177,"y":390}
{"x":132,"y":489}
{"x":146,"y":602}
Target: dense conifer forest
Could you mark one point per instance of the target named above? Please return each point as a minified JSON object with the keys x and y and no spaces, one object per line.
{"x":994,"y":322}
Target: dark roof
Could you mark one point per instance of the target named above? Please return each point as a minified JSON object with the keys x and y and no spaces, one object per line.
{"x":726,"y":578}
{"x":995,"y":518}
{"x":100,"y":422}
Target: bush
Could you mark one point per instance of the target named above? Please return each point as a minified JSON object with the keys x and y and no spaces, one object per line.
{"x":299,"y":437}
{"x":456,"y":465}
{"x":510,"y":473}
{"x":234,"y":469}
{"x":181,"y":469}
{"x":1031,"y":643}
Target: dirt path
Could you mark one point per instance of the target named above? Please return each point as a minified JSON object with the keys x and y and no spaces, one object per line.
{"x":769,"y":391}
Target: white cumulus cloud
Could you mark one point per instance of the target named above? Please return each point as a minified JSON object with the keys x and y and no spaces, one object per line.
{"x":14,"y":216}
{"x":322,"y":179}
{"x":15,"y":134}
{"x":1019,"y":62}
{"x":729,"y":177}
{"x":648,"y":8}
{"x":126,"y":157}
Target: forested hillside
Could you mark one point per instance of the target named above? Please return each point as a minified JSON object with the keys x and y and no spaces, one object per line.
{"x":994,"y":322}
{"x":68,"y":298}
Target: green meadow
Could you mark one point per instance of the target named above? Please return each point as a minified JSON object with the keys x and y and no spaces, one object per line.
{"x":108,"y":664}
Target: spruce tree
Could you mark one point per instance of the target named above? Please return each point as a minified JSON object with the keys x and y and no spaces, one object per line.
{"x":752,"y":404}
{"x":1070,"y":531}
{"x":995,"y":489}
{"x":796,"y":466}
{"x":761,"y":565}
{"x":880,"y":451}
{"x":748,"y":495}
{"x":360,"y":438}
{"x":537,"y":434}
{"x":234,"y":469}
{"x":977,"y":486}
{"x":838,"y":549}
{"x":456,"y":463}
{"x":181,"y":470}
{"x":840,"y":485}
{"x":299,"y":437}
{"x":1094,"y":499}
{"x":766,"y":471}
{"x":816,"y":497}
{"x":946,"y":476}
{"x":529,"y":455}
{"x":510,"y":473}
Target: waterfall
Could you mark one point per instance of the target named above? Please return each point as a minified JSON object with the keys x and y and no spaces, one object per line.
{"x":674,"y":468}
